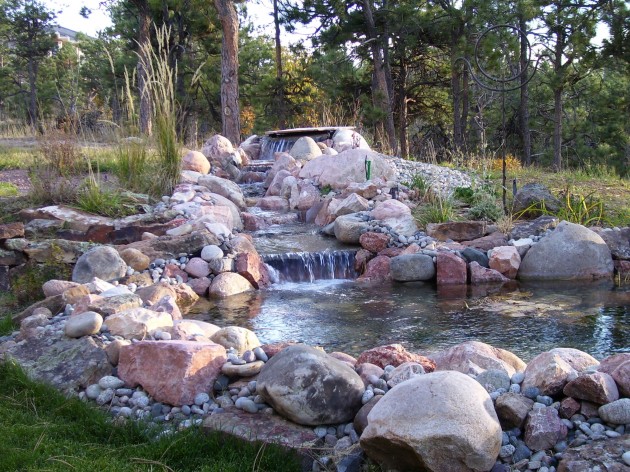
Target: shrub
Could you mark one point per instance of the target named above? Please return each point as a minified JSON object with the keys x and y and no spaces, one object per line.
{"x":436,"y":209}
{"x":27,"y":284}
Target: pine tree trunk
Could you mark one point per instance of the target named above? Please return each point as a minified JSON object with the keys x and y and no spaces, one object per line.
{"x":144,"y":37}
{"x":523,"y":109}
{"x":557,"y":128}
{"x":230,"y":109}
{"x":32,"y":90}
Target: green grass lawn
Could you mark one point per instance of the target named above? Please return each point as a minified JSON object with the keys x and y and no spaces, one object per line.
{"x":42,"y":430}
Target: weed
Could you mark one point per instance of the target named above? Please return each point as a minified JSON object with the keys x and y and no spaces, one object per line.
{"x":464,"y":194}
{"x":8,"y":189}
{"x":61,"y":153}
{"x":485,"y":207}
{"x":131,"y":167}
{"x":436,"y":209}
{"x":325,"y":190}
{"x":585,"y":210}
{"x":94,"y":197}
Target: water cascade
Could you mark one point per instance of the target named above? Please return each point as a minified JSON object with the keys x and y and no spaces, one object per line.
{"x":312,"y":266}
{"x":283,"y":140}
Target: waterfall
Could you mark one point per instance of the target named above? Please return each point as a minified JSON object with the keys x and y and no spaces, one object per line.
{"x":271,"y":145}
{"x":311,"y":266}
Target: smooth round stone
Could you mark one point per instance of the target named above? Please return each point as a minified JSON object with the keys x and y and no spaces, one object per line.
{"x":545,"y":400}
{"x":142,"y":402}
{"x":109,"y":381}
{"x":531,"y":392}
{"x":515,"y":388}
{"x":249,"y":356}
{"x":506,"y":451}
{"x":244,"y":370}
{"x":260,"y":354}
{"x":626,"y":457}
{"x":93,"y":391}
{"x":156,"y":409}
{"x":201,"y":398}
{"x":246,"y":404}
{"x":84,"y":324}
{"x":367,"y":396}
{"x":196,"y":410}
{"x":211,"y":252}
{"x":321,"y":431}
{"x":106,"y":396}
{"x":126,"y":412}
{"x":186,"y":410}
{"x":252,"y":386}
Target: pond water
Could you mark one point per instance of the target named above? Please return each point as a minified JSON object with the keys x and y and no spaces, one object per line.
{"x":350,"y":316}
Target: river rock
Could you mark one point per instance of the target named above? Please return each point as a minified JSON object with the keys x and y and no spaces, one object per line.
{"x":506,"y":260}
{"x":488,"y":242}
{"x":353,"y":203}
{"x":450,"y":269}
{"x":195,"y":161}
{"x":103,"y":262}
{"x":544,"y":429}
{"x":390,"y":209}
{"x":84,"y":324}
{"x":218,"y":150}
{"x":348,"y":166}
{"x":473,"y":357}
{"x":596,"y":387}
{"x":512,"y":409}
{"x":274,"y":204}
{"x":403,"y":372}
{"x":604,"y":456}
{"x":621,"y":375}
{"x":535,"y":227}
{"x":227,"y":284}
{"x":250,"y":265}
{"x":412,"y":267}
{"x":171,"y":371}
{"x":529,"y":199}
{"x":376,"y":269}
{"x":617,"y":240}
{"x":245,"y":370}
{"x":361,"y":419}
{"x":435,"y":422}
{"x":475,"y":255}
{"x":305,"y":149}
{"x":309,"y":387}
{"x":107,"y":306}
{"x":481,"y":275}
{"x":187,"y":329}
{"x":550,"y":371}
{"x":348,"y":139}
{"x":57,"y":287}
{"x":212,"y":251}
{"x":137,"y":323}
{"x":570,"y":252}
{"x":135,"y":259}
{"x":197,"y":267}
{"x":168,"y":247}
{"x":167,"y":304}
{"x":456,"y":230}
{"x":493,"y":380}
{"x":374,"y":242}
{"x":309,"y":196}
{"x":241,"y":339}
{"x":617,"y":412}
{"x":349,"y":228}
{"x":394,"y":354}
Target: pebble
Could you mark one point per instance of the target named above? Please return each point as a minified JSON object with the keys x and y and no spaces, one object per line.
{"x":249,"y":356}
{"x":201,"y":398}
{"x":106,"y":396}
{"x":260,"y":354}
{"x":626,"y":457}
{"x":367,"y":396}
{"x":93,"y":391}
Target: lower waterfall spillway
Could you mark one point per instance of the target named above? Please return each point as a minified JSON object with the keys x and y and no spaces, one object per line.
{"x":311,"y":266}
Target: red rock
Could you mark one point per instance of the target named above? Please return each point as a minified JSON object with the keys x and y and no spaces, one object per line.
{"x":361,"y":259}
{"x":473,"y":357}
{"x":377,"y":269}
{"x":456,"y":230}
{"x":621,"y":375}
{"x":506,"y":260}
{"x":394,"y":354}
{"x":366,"y":369}
{"x":413,"y":248}
{"x":568,"y":407}
{"x":253,"y":222}
{"x":200,"y":286}
{"x":451,"y":269}
{"x":251,"y":266}
{"x":171,"y":270}
{"x":274,"y":348}
{"x":274,"y":203}
{"x":588,"y":409}
{"x":544,"y":429}
{"x":597,"y":388}
{"x":610,"y":363}
{"x":391,"y":252}
{"x":374,"y":242}
{"x":343,"y":357}
{"x":12,"y":230}
{"x":171,"y":371}
{"x":487,"y":242}
{"x":481,"y":275}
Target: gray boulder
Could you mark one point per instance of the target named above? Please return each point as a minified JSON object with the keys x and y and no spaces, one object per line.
{"x":225,"y":188}
{"x":309,"y":387}
{"x":103,"y":262}
{"x":348,"y":228}
{"x":618,"y":240}
{"x":442,"y":421}
{"x":305,"y":149}
{"x":412,"y":267}
{"x":533,"y":197}
{"x":570,"y":252}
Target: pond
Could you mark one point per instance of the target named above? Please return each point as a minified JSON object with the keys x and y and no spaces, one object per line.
{"x":350,"y":316}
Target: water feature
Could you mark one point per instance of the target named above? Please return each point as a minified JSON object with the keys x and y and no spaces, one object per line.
{"x":282,"y":140}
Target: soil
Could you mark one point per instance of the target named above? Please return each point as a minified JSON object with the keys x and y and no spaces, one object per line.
{"x":17,"y":177}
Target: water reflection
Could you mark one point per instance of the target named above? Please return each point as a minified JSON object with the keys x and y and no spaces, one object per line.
{"x":351,"y":316}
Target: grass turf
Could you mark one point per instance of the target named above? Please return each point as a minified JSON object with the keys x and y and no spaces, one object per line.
{"x":42,"y":430}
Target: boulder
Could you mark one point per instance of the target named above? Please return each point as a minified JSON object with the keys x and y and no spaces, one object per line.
{"x":475,"y":255}
{"x":308,"y":196}
{"x":168,"y":305}
{"x":12,"y":230}
{"x":435,"y":422}
{"x":242,"y":370}
{"x":532,"y":198}
{"x":617,"y":412}
{"x":169,"y":247}
{"x":390,"y":210}
{"x":450,"y":269}
{"x":195,"y":161}
{"x":512,"y":409}
{"x":137,"y":323}
{"x":353,"y":203}
{"x":596,"y":387}
{"x":544,"y":429}
{"x":493,"y":380}
{"x":506,"y":260}
{"x":83,"y":324}
{"x":488,"y":242}
{"x":347,"y":167}
{"x":481,"y":275}
{"x":404,"y":372}
{"x":305,"y":149}
{"x":171,"y":371}
{"x":361,"y":419}
{"x":309,"y":387}
{"x":225,"y":188}
{"x":227,"y":284}
{"x":188,"y":330}
{"x":107,"y":306}
{"x":604,"y":456}
{"x":349,"y":228}
{"x":135,"y":259}
{"x":197,"y":267}
{"x":374,"y":242}
{"x":621,"y":376}
{"x":412,"y":267}
{"x":456,"y":230}
{"x":473,"y":357}
{"x":617,"y":240}
{"x":284,"y":161}
{"x":570,"y":252}
{"x":540,"y":225}
{"x":377,"y":268}
{"x":274,"y":204}
{"x":550,"y":371}
{"x":103,"y":262}
{"x":218,"y":150}
{"x":348,"y":139}
{"x":394,"y":354}
{"x":57,"y":287}
{"x":241,"y":339}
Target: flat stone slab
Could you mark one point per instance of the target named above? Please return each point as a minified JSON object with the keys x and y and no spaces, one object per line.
{"x":271,"y":429}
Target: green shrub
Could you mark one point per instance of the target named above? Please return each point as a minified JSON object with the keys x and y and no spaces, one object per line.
{"x":436,"y":209}
{"x":464,"y":194}
{"x":100,"y":200}
{"x":26,"y":286}
{"x":485,"y":207}
{"x":8,"y":189}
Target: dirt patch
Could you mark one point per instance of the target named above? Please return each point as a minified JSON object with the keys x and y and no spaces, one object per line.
{"x":17,"y":177}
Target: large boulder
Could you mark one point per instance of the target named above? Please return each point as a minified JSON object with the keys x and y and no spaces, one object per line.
{"x":310,"y":387}
{"x":227,"y":284}
{"x":412,"y":267}
{"x":457,"y":230}
{"x":103,"y":262}
{"x":347,"y":167}
{"x":171,"y":371}
{"x":349,"y":228}
{"x":241,"y":339}
{"x":443,"y":421}
{"x":219,"y":151}
{"x":534,"y":197}
{"x":195,"y":161}
{"x":305,"y":149}
{"x":474,"y":357}
{"x":137,"y":322}
{"x":348,"y":139}
{"x":544,"y":429}
{"x":225,"y":188}
{"x":570,"y":252}
{"x":451,"y":269}
{"x":506,"y":260}
{"x":550,"y":371}
{"x":353,"y":203}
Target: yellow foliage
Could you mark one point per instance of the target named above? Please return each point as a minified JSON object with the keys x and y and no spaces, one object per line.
{"x":511,"y":163}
